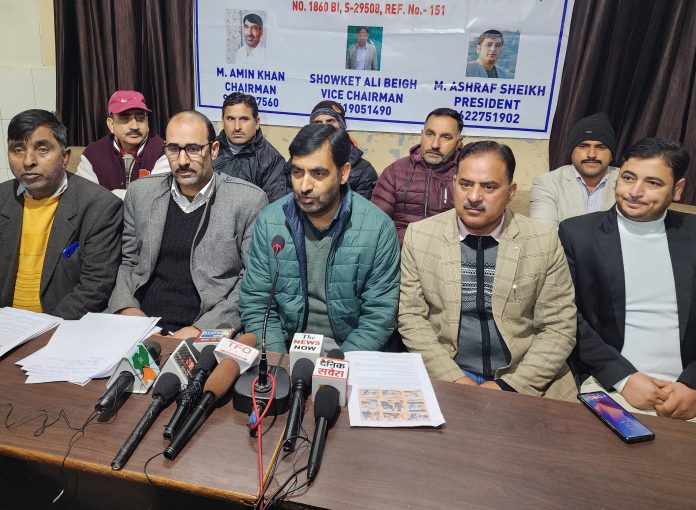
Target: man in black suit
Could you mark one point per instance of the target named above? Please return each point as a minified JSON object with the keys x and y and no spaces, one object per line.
{"x":634,"y":268}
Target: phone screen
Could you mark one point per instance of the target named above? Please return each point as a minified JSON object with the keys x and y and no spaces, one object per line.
{"x":620,"y":420}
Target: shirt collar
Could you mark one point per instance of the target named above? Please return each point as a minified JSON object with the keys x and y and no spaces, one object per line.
{"x":22,"y":189}
{"x":582,"y":181}
{"x":201,"y":198}
{"x":463,"y":231}
{"x":135,"y":152}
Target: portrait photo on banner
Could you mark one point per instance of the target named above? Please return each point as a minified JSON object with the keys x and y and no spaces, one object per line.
{"x":364,"y":48}
{"x":492,"y":53}
{"x":246,"y":36}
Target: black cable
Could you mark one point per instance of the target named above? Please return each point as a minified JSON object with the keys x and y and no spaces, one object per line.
{"x":274,"y":498}
{"x":274,"y":467}
{"x":147,"y":462}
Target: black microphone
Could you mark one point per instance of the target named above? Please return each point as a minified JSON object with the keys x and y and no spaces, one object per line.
{"x":277,"y":243}
{"x":113,"y":396}
{"x":301,"y":388}
{"x":326,"y":413}
{"x":189,"y":396}
{"x":336,"y":354}
{"x":217,"y":385}
{"x":166,"y":388}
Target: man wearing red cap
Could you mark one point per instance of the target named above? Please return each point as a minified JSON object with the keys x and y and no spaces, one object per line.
{"x":129,"y":151}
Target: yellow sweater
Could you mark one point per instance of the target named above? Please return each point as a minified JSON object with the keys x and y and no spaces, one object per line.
{"x":37,"y":220}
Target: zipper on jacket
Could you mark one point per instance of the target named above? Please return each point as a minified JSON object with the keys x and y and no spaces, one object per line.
{"x":427,"y":193}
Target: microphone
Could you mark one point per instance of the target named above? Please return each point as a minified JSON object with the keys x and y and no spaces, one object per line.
{"x":277,"y":244}
{"x":189,"y":395}
{"x":217,"y":385}
{"x":301,"y":388}
{"x":326,"y":413}
{"x":245,"y":390}
{"x":166,"y":388}
{"x":114,"y":396}
{"x":336,"y":354}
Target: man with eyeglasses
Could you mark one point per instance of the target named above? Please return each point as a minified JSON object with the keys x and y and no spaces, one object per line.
{"x":186,"y":235}
{"x":129,"y":151}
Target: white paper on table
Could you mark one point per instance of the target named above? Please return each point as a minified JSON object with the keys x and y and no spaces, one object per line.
{"x":90,"y":347}
{"x":19,"y":326}
{"x":391,"y":390}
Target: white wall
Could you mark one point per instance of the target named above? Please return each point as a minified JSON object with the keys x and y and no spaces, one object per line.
{"x":27,"y":63}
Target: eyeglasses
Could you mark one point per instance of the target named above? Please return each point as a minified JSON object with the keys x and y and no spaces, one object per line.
{"x":194,"y":150}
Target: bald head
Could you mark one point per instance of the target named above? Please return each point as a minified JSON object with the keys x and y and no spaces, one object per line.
{"x":191,"y":149}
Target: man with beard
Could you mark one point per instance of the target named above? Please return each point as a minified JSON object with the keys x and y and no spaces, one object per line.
{"x":585,"y":186}
{"x":186,"y":236}
{"x":251,"y":51}
{"x":129,"y":151}
{"x":339,"y":270}
{"x":486,"y":294}
{"x":420,"y":185}
{"x":488,"y":47}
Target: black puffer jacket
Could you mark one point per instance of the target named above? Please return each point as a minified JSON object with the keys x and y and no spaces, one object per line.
{"x":363,"y":175}
{"x":258,"y":162}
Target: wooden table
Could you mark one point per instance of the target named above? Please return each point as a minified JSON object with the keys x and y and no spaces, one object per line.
{"x":503,"y":450}
{"x":219,"y":462}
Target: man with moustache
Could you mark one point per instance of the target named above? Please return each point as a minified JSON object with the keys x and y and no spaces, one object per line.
{"x":251,"y":52}
{"x":585,"y":186}
{"x":244,"y":151}
{"x":633,"y":268}
{"x":60,"y":235}
{"x":486,"y":295}
{"x":420,"y":185}
{"x":339,"y":270}
{"x":488,"y":47}
{"x":129,"y":151}
{"x":186,"y":236}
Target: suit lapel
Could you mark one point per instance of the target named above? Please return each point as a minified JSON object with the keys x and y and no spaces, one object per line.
{"x":573,"y":190}
{"x":451,"y":274}
{"x":610,"y":189}
{"x":506,"y":263}
{"x":63,"y":233}
{"x":679,"y":244}
{"x":608,"y":247}
{"x":157,"y":220}
{"x":11,"y":212}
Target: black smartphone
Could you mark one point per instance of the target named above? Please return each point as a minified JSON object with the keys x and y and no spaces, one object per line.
{"x":623,"y":423}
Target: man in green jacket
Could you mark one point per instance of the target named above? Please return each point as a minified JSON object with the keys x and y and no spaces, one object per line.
{"x":339,"y":269}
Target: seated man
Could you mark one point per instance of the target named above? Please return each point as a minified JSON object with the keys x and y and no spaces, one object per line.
{"x":244,"y":152}
{"x":339,"y":270}
{"x":184,"y":251}
{"x":486,"y":296}
{"x":363,"y":175}
{"x":60,"y":235}
{"x":129,"y":151}
{"x":633,"y":269}
{"x":420,"y":185}
{"x":585,"y":186}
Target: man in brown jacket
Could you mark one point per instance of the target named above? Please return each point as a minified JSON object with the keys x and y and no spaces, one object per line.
{"x":486,"y":295}
{"x":420,"y":185}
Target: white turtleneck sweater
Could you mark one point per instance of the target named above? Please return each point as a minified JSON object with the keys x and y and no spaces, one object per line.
{"x":651,"y":338}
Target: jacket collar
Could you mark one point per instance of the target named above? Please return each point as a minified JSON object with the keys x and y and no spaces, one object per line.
{"x":250,"y":147}
{"x":416,"y":158}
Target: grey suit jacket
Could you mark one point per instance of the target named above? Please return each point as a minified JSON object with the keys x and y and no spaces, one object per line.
{"x":219,"y":247}
{"x":558,"y":195}
{"x":474,"y":69}
{"x":532,"y":302}
{"x":370,"y":57}
{"x":70,"y":287}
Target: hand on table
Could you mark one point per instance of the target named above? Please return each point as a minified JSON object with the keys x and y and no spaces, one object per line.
{"x":490,"y":385}
{"x":186,"y":332}
{"x":134,"y":312}
{"x":681,"y":402}
{"x":465,"y":379}
{"x":644,"y":392}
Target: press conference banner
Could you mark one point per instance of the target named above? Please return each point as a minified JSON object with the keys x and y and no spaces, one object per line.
{"x":498,"y":62}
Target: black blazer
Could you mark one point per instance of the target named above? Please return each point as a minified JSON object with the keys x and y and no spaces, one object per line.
{"x":70,"y":287}
{"x":593,"y":249}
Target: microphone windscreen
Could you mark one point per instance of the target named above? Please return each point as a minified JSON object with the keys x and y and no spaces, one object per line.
{"x":278,"y":243}
{"x":248,"y":339}
{"x":207,"y":360}
{"x":225,"y":325}
{"x":336,"y":354}
{"x":167,"y":386}
{"x":155,"y":350}
{"x":194,"y":350}
{"x":302,"y":371}
{"x":220,"y":381}
{"x":326,"y":403}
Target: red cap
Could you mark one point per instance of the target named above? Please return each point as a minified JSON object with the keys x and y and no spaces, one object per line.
{"x":123,"y":100}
